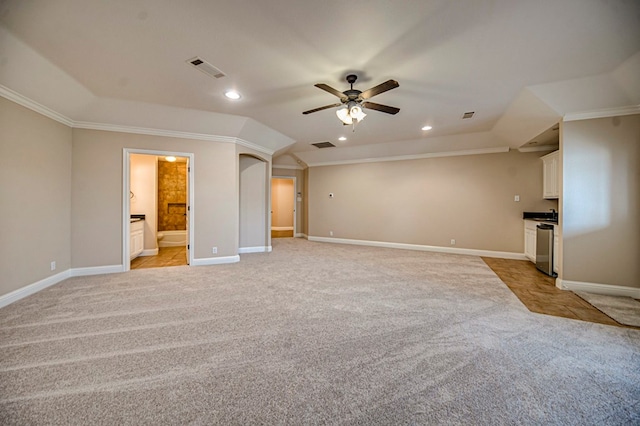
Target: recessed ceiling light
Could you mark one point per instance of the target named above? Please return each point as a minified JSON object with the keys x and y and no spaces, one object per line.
{"x":427,"y":128}
{"x":232,"y":94}
{"x":170,"y":158}
{"x":342,"y":138}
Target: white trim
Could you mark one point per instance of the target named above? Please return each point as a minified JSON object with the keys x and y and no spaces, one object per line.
{"x":30,"y":289}
{"x":149,"y":252}
{"x":126,"y":202}
{"x":470,"y":252}
{"x":152,"y":132}
{"x":301,"y":235}
{"x":606,"y":289}
{"x":47,"y":112}
{"x":277,"y":166}
{"x":215,"y":260}
{"x":282,"y":228}
{"x":254,"y":146}
{"x":602,"y":113}
{"x":414,"y":156}
{"x":259,"y":249}
{"x":539,"y":148}
{"x":170,"y":133}
{"x":96,"y":270}
{"x":16,"y":97}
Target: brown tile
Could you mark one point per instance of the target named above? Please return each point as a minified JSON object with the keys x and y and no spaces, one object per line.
{"x":167,"y":256}
{"x":539,"y":294}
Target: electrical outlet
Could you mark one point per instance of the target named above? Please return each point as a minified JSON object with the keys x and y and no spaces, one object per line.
{"x":453,"y":242}
{"x":516,"y":198}
{"x":215,"y":250}
{"x":53,"y":265}
{"x":331,"y":233}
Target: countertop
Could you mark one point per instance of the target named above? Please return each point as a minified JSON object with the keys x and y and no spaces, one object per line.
{"x":545,"y":217}
{"x":136,"y":217}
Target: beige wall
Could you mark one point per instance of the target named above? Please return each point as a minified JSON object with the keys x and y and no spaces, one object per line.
{"x":253,"y":205}
{"x":430,"y":201}
{"x":601,"y":201}
{"x":35,"y":196}
{"x":282,"y":202}
{"x":96,"y":236}
{"x":301,"y":187}
{"x":144,"y":186}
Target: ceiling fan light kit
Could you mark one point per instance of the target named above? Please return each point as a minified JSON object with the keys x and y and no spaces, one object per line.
{"x":351,"y":113}
{"x":353,"y":101}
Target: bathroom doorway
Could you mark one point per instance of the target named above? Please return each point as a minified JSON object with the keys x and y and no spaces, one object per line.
{"x":157,"y":213}
{"x":283,"y":207}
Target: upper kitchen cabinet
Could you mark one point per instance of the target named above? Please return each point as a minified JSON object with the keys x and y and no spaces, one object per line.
{"x":551,"y":175}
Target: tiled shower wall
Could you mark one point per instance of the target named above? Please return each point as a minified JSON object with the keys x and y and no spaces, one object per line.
{"x":172,"y":196}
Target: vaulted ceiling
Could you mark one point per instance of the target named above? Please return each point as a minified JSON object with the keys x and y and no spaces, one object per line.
{"x":519,"y":65}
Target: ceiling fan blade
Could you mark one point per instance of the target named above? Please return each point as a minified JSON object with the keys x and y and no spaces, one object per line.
{"x":321,"y":108}
{"x":380,"y":88}
{"x":331,"y":90}
{"x":382,"y":108}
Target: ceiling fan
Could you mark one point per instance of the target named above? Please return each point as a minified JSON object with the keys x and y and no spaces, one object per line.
{"x":352,"y":101}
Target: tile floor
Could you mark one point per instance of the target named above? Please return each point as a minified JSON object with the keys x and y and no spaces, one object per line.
{"x":282,"y":234}
{"x":167,"y":256}
{"x":535,"y":290}
{"x":538,"y":292}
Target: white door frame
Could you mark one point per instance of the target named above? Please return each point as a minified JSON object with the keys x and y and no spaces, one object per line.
{"x":295,"y":201}
{"x":126,"y":201}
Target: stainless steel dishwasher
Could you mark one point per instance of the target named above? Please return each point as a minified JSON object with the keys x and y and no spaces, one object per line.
{"x":544,"y":249}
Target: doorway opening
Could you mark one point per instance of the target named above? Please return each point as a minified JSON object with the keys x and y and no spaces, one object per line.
{"x":283,"y":207}
{"x":157,"y":218}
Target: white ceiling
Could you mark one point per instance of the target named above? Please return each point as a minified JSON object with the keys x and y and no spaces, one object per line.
{"x":448,"y":56}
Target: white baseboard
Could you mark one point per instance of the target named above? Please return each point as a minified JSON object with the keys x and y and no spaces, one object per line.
{"x":30,"y":289}
{"x":260,"y":249}
{"x":149,"y":252}
{"x":282,"y":228}
{"x":451,"y":250}
{"x":301,"y":235}
{"x":215,"y":260}
{"x":606,"y":289}
{"x":96,"y":270}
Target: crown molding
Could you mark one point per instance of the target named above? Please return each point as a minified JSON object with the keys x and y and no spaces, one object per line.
{"x":414,"y":156}
{"x":286,"y":167}
{"x":603,"y":113}
{"x":254,"y":146}
{"x":16,"y":97}
{"x":539,"y":148}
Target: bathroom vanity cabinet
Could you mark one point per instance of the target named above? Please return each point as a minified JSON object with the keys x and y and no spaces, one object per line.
{"x":136,"y":244}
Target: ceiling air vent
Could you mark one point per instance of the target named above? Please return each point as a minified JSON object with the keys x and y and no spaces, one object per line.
{"x":206,"y":67}
{"x":468,"y":114}
{"x":323,"y":145}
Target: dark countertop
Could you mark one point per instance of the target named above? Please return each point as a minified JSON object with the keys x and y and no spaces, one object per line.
{"x":137,"y":217}
{"x":549,"y":217}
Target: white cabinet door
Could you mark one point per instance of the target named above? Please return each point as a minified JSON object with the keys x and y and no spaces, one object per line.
{"x":551,"y":175}
{"x":136,"y":241}
{"x":530,"y":240}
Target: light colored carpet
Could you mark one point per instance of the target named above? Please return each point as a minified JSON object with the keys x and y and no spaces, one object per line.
{"x":625,"y":310}
{"x":311,"y":333}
